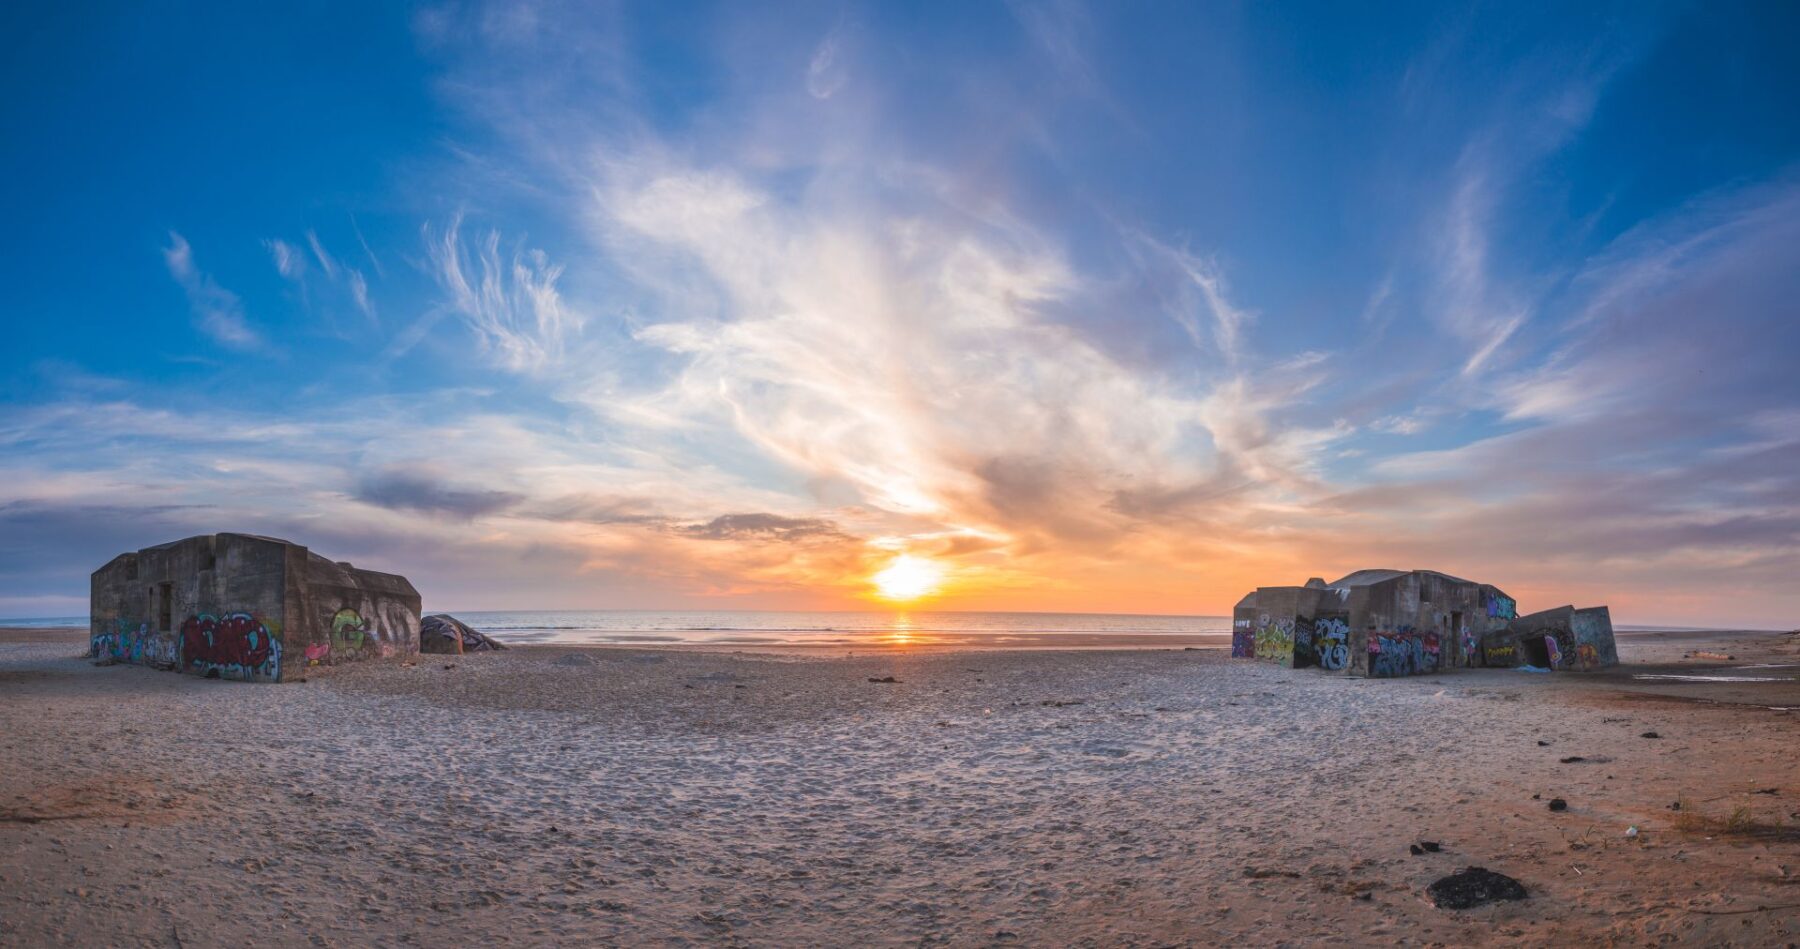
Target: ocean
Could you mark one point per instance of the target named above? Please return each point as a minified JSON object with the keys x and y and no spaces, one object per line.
{"x":759,"y":628}
{"x":849,"y":628}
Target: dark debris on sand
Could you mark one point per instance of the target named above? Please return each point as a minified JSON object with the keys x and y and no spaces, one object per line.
{"x":1473,"y":886}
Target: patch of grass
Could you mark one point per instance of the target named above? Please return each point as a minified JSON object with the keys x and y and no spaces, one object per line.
{"x":1741,"y":821}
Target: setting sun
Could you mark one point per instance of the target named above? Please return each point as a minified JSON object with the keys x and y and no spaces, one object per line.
{"x":908,"y":578}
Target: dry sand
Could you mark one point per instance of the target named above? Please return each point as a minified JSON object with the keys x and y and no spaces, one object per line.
{"x":1144,"y":797}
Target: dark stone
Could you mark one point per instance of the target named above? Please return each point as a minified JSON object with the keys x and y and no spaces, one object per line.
{"x":1558,"y":804}
{"x":1431,"y":846}
{"x":885,"y":680}
{"x":1473,"y":886}
{"x":1649,"y":735}
{"x":1543,"y":744}
{"x":1417,"y":850}
{"x":1572,"y":759}
{"x":443,"y":633}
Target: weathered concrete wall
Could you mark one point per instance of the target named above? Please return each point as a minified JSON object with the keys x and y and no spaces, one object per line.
{"x":1394,"y":623}
{"x":246,"y":607}
{"x":209,"y":605}
{"x":343,"y":614}
{"x":1563,"y":638}
{"x":1594,"y":644}
{"x":1243,"y":628}
{"x":1373,"y":623}
{"x":1292,"y":626}
{"x":1417,"y":623}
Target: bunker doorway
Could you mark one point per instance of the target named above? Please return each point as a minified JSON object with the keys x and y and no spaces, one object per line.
{"x":1534,"y":651}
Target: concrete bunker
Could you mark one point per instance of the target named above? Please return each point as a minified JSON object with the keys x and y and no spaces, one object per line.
{"x":242,"y":606}
{"x":1413,"y":622}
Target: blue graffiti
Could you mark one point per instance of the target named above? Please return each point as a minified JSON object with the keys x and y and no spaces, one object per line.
{"x":1403,"y":654}
{"x":135,"y":644}
{"x":1331,"y":638}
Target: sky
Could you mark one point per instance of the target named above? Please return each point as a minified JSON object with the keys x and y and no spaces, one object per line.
{"x":1110,"y":307}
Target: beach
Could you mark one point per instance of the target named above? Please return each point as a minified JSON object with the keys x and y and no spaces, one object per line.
{"x":559,"y":795}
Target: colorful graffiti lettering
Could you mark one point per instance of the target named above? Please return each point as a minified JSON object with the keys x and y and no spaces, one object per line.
{"x":236,"y":644}
{"x":1403,"y":654}
{"x":138,"y":644}
{"x":1469,"y":651}
{"x":1331,"y":638}
{"x":1501,"y":606}
{"x":1555,"y":651}
{"x":1276,"y":641}
{"x":1501,"y":655}
{"x":1243,"y":644}
{"x":317,"y":653}
{"x":349,"y":634}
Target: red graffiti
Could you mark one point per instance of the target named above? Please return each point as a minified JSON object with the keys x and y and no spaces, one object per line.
{"x":238,"y":640}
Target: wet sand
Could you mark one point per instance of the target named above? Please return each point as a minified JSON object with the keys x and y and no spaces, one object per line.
{"x":556,"y":795}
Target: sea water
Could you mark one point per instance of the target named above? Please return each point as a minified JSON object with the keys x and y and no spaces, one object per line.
{"x":769,"y":628}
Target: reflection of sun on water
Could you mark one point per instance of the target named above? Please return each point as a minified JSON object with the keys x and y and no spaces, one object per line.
{"x":907,"y":578}
{"x":902,"y":632}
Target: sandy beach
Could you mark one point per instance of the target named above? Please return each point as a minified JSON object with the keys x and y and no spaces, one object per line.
{"x":560,"y":796}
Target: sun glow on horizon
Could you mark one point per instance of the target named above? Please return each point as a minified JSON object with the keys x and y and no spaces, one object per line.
{"x":907,"y":577}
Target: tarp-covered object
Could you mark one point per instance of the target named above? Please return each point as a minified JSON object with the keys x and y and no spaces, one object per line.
{"x":443,"y":633}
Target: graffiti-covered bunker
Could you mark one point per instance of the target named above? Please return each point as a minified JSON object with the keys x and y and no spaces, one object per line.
{"x":1409,"y":622}
{"x":241,"y":606}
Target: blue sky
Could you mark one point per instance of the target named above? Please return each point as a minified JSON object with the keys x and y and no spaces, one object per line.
{"x":1120,"y":307}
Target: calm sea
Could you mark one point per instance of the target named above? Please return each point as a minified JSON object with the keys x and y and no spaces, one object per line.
{"x":757,"y":628}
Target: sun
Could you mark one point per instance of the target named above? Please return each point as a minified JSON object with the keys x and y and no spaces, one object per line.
{"x":907,"y":578}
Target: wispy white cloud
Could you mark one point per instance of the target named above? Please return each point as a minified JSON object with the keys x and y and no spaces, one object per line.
{"x":326,"y":262}
{"x":359,"y":292}
{"x":834,"y":330}
{"x":339,"y":280}
{"x":827,"y":71}
{"x":288,"y":260}
{"x":511,"y":301}
{"x":217,"y":311}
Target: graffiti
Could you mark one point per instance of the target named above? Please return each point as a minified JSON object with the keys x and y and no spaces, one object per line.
{"x":359,"y":634}
{"x":236,"y":644}
{"x":1468,"y":647}
{"x":1331,"y":643}
{"x":1276,"y":641}
{"x":1243,"y":638}
{"x":138,"y":644}
{"x":1593,"y":628}
{"x":349,"y":634}
{"x":1243,"y":644}
{"x":1403,"y":653}
{"x":1501,"y":655}
{"x":1501,"y":606}
{"x":1586,"y":656}
{"x":1303,"y":643}
{"x":1555,"y":651}
{"x":317,"y":653}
